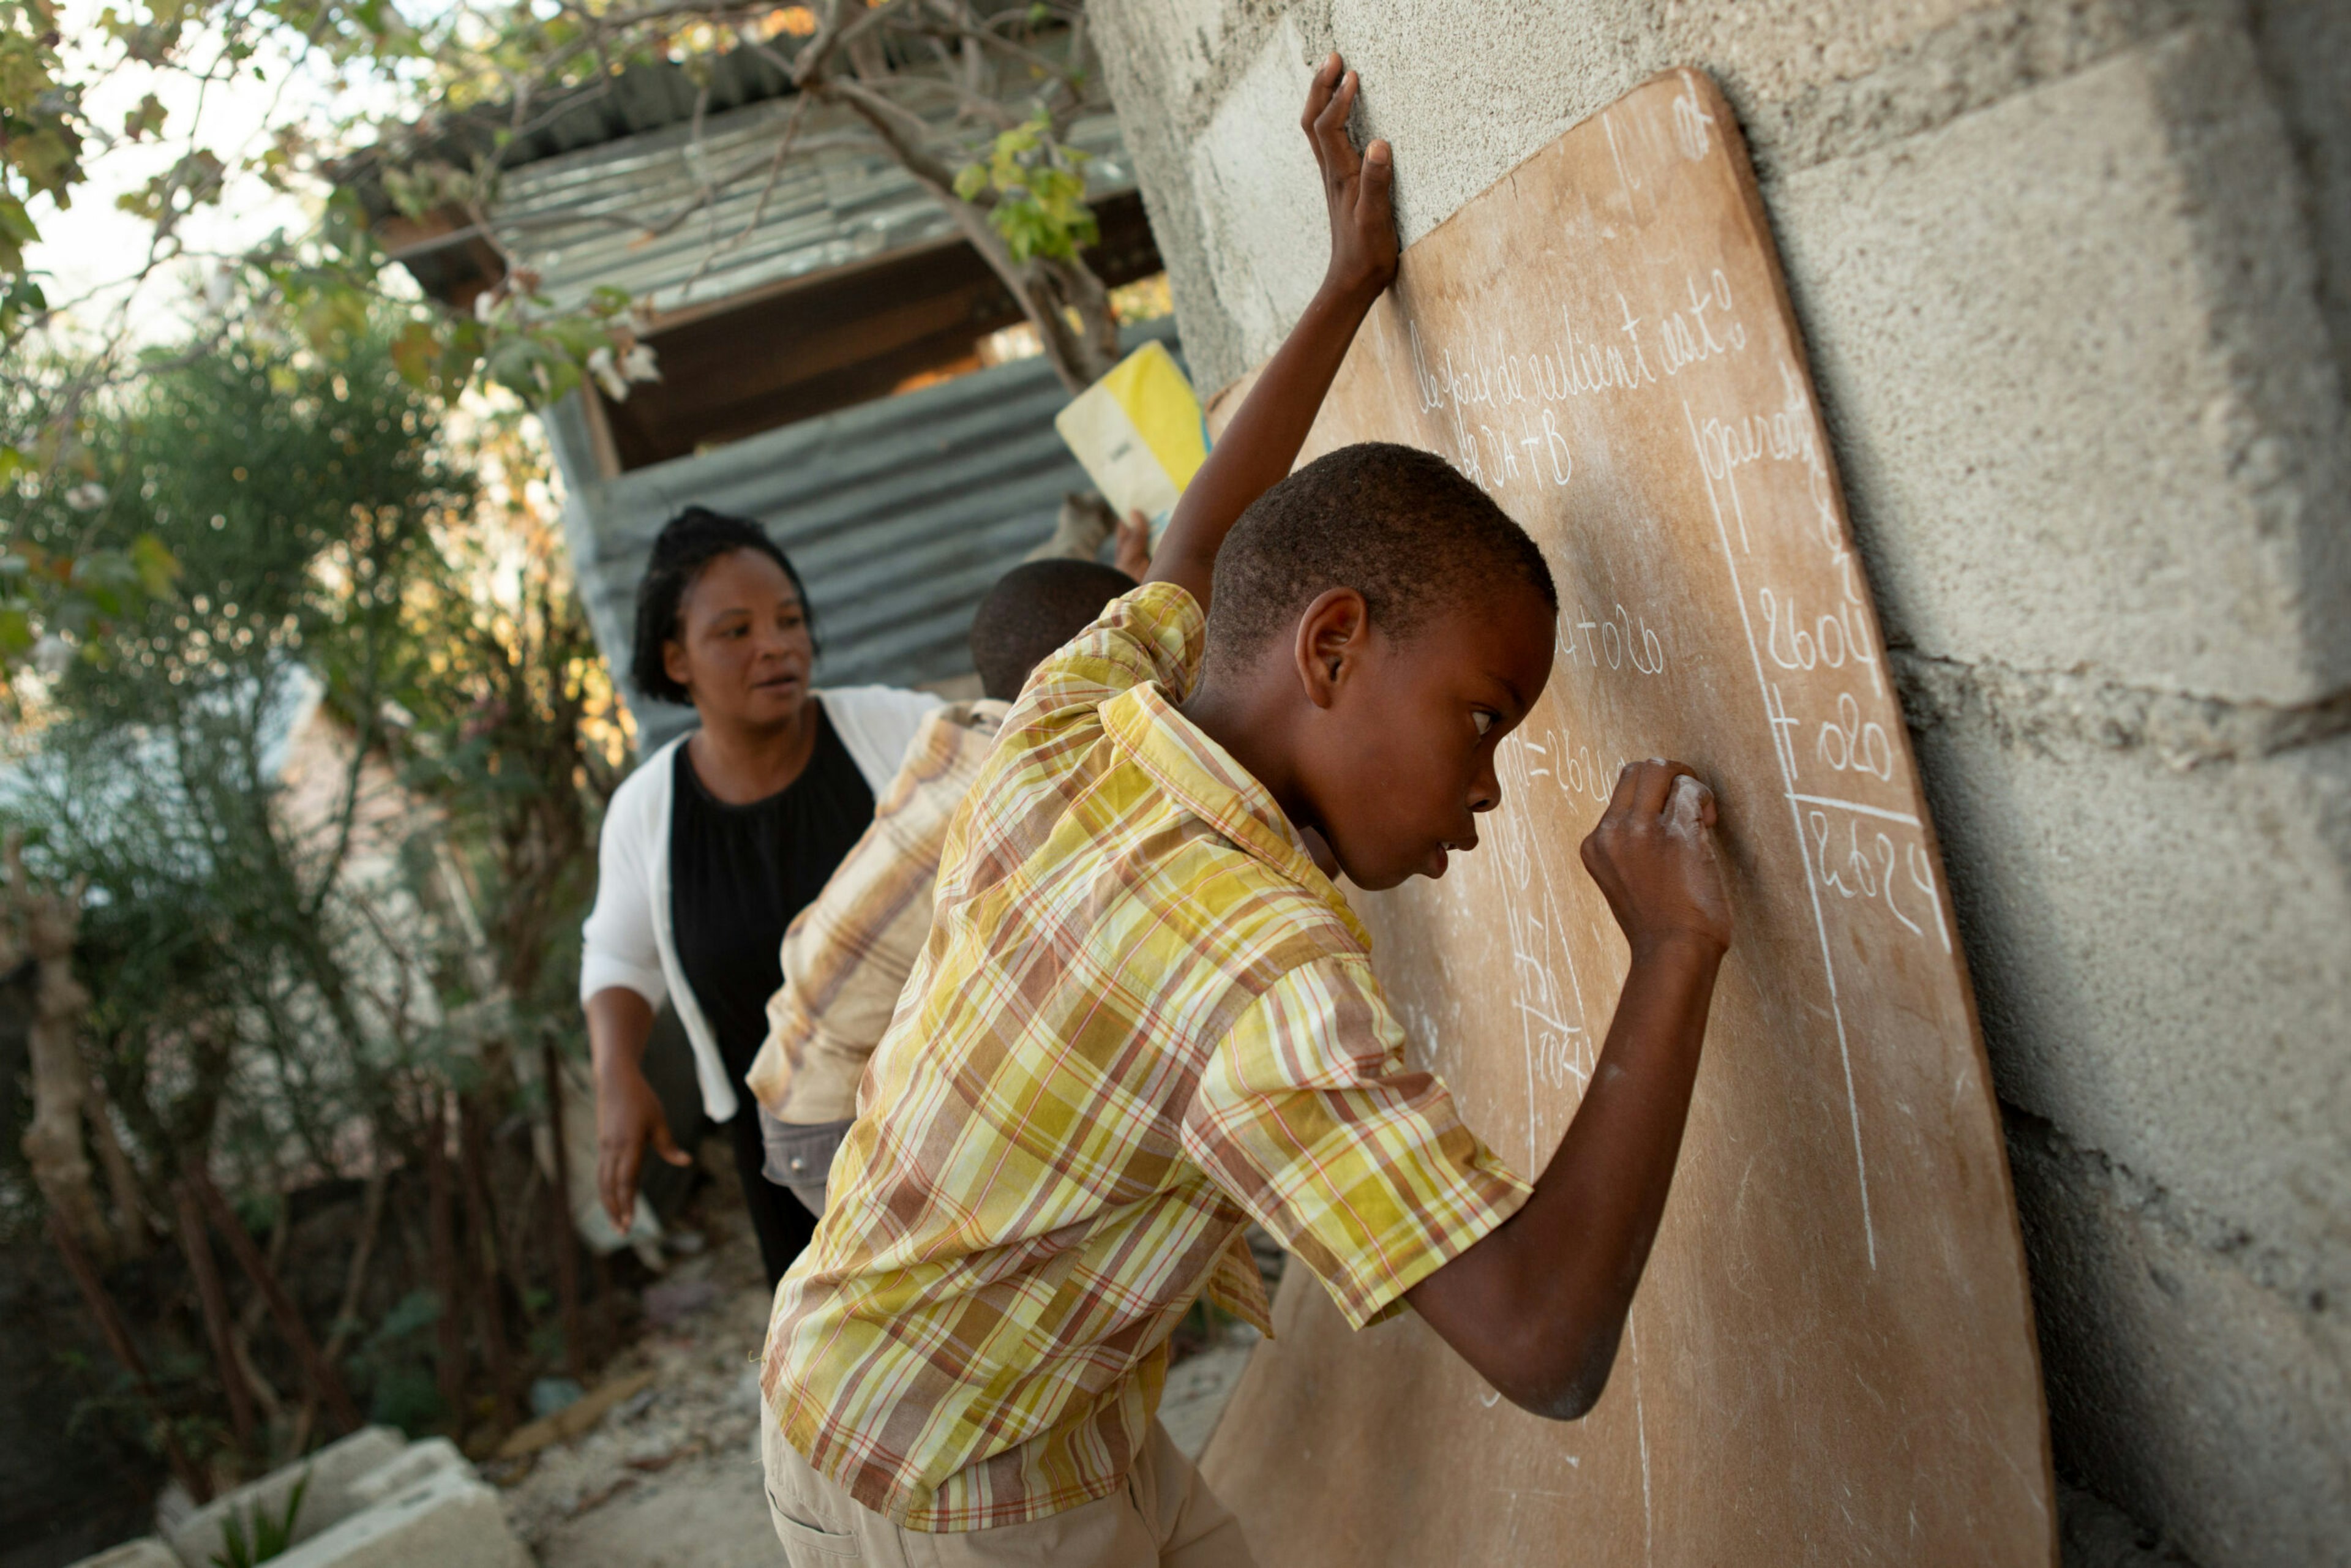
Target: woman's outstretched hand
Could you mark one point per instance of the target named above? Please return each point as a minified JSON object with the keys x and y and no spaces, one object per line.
{"x":628,"y":1114}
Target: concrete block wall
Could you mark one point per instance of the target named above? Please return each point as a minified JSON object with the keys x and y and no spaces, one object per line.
{"x":2076,"y":280}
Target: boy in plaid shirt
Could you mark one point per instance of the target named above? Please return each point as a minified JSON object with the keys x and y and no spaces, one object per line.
{"x":1144,"y":1018}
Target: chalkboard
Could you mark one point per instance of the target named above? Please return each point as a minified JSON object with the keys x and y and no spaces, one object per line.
{"x":1830,"y":1359}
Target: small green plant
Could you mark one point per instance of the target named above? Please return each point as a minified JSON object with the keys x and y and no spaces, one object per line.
{"x":1039,"y":204}
{"x":270,"y":1534}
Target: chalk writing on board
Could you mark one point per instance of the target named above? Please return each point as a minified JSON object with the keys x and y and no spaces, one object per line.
{"x":1794,"y":641}
{"x":1555,"y":1035}
{"x":1691,"y":121}
{"x":1612,"y":638}
{"x":1812,"y":882}
{"x":1689,"y":337}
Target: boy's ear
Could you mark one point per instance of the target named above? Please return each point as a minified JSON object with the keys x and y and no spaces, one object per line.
{"x":1331,"y":638}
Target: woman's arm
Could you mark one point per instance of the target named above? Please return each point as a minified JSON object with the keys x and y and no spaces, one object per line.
{"x":627,"y":1112}
{"x":621,"y":974}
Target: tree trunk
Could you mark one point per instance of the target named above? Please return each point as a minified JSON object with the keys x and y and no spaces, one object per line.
{"x":482,"y":1226}
{"x":561,"y":1234}
{"x":129,"y":1214}
{"x":449,"y":1328}
{"x":117,"y":1340}
{"x":44,"y":923}
{"x":338,"y":1333}
{"x":205,"y":1269}
{"x":325,"y":1385}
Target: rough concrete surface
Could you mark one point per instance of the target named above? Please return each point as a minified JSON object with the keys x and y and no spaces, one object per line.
{"x":2219,"y":1075}
{"x":448,"y":1520}
{"x":2051,"y":446}
{"x":2269,"y":1444}
{"x":2076,"y":276}
{"x":325,"y":1499}
{"x":148,"y":1551}
{"x":426,"y":1458}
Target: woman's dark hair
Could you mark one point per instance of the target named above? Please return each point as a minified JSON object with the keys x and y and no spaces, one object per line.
{"x":688,"y":542}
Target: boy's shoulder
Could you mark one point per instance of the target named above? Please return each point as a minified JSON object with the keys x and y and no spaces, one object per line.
{"x":1152,"y":635}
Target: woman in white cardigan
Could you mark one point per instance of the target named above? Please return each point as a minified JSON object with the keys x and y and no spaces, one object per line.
{"x":718,"y":840}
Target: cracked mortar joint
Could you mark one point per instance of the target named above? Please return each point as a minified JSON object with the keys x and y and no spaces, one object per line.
{"x":2288,"y":1275}
{"x":2047,"y":708}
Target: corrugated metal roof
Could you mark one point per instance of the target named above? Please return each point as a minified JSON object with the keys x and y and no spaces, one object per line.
{"x":581,"y":218}
{"x":899,"y":514}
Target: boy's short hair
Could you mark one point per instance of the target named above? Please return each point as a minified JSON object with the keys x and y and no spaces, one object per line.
{"x":1032,"y":611}
{"x":1398,"y":525}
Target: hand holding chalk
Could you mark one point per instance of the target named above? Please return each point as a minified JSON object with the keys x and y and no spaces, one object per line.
{"x":1653,"y":854}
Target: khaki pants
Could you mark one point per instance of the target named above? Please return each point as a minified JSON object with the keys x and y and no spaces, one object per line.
{"x":1164,"y":1517}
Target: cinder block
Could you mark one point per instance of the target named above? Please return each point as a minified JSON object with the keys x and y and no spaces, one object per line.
{"x":1259,"y":197}
{"x":2206,"y":1404}
{"x":146,"y":1552}
{"x":325,"y":1501}
{"x":2160,"y":960}
{"x":413,"y":1464}
{"x":449,"y":1520}
{"x":2082,"y":393}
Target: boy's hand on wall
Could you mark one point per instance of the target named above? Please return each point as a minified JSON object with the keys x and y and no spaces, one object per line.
{"x":1654,"y":856}
{"x":1354,"y":186}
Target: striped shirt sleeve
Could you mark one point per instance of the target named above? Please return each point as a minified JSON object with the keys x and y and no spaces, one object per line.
{"x":1307,"y":1117}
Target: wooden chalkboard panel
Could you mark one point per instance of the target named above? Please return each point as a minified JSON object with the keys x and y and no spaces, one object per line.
{"x":1831,"y":1359}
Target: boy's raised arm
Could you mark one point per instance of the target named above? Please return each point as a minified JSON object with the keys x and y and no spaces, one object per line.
{"x":1258,"y":446}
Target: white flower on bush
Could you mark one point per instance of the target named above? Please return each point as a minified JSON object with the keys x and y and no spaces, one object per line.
{"x":608,"y":374}
{"x":613,"y":373}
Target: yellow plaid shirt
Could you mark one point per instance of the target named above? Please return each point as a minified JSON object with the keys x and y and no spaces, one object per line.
{"x":1143,"y":1019}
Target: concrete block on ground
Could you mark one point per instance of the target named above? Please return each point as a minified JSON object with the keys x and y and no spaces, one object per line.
{"x":448,"y":1520}
{"x":325,"y":1501}
{"x":414,"y":1463}
{"x":146,"y":1552}
{"x":2083,"y":392}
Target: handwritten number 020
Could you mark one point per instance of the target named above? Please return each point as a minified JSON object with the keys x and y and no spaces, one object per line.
{"x":1850,"y":745}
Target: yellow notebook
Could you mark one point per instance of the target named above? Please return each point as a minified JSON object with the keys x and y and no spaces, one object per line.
{"x":1138,"y":433}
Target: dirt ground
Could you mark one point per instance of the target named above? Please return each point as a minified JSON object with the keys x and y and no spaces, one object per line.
{"x":671,"y":1477}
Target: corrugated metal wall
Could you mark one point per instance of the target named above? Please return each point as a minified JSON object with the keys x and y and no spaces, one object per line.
{"x":899,"y":514}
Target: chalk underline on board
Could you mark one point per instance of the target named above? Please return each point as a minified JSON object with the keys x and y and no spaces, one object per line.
{"x":1904,"y":818}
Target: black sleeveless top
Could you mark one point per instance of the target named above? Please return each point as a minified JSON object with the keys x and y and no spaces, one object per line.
{"x":737,"y":875}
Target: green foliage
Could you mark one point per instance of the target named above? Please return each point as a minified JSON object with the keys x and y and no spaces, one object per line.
{"x":260,"y":1535}
{"x":296,"y":499}
{"x":330,"y":285}
{"x":396,"y":1359}
{"x":1035,"y":193}
{"x":40,"y":130}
